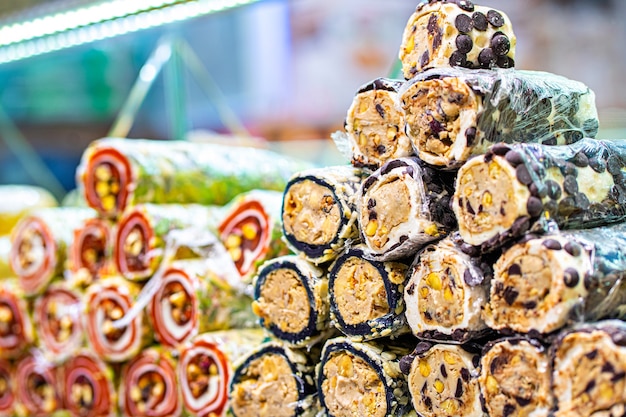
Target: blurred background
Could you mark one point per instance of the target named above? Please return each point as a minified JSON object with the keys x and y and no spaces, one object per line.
{"x":284,"y":70}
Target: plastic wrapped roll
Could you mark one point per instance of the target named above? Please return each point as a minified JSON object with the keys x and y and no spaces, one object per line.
{"x":88,"y":386}
{"x":366,"y":297}
{"x":38,"y":390}
{"x":362,"y":378}
{"x":501,"y":195}
{"x":40,"y":243}
{"x":57,"y":313}
{"x":273,"y":380}
{"x":193,"y":298}
{"x":205,"y":369}
{"x":443,"y":380}
{"x":104,"y":304}
{"x":456,"y":33}
{"x":149,"y":387}
{"x":515,"y":378}
{"x":403,"y":206}
{"x":546,"y":282}
{"x":375,"y":125}
{"x":116,"y":173}
{"x":452,"y":114}
{"x":16,"y":201}
{"x":16,"y":331}
{"x":8,"y":385}
{"x":143,"y":230}
{"x":445,"y":293}
{"x":91,"y":251}
{"x":291,"y":300}
{"x":251,"y":230}
{"x":319,"y":211}
{"x":5,"y":251}
{"x":589,"y":370}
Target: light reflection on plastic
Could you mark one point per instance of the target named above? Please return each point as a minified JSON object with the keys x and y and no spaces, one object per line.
{"x":118,"y":17}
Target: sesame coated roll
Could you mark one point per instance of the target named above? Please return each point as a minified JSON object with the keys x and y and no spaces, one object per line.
{"x":366,"y":297}
{"x":589,"y":370}
{"x":456,"y":33}
{"x":546,"y":282}
{"x":40,"y":243}
{"x":445,"y":293}
{"x":403,"y":206}
{"x":16,"y":329}
{"x":443,"y":380}
{"x":453,"y":114}
{"x":143,"y":231}
{"x":274,"y":380}
{"x":38,"y":390}
{"x":319,"y":211}
{"x":291,"y":300}
{"x":515,"y":377}
{"x":118,"y":173}
{"x":501,"y":195}
{"x":206,"y":366}
{"x":362,"y":378}
{"x":375,"y":124}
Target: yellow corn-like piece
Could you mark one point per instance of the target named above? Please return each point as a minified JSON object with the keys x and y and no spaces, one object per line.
{"x":449,"y":358}
{"x":424,"y":368}
{"x":438,"y":386}
{"x":371,"y":228}
{"x":447,"y":294}
{"x":434,"y":281}
{"x":249,"y":231}
{"x":492,"y":385}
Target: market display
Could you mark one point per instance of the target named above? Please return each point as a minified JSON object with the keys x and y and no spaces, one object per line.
{"x":459,"y":266}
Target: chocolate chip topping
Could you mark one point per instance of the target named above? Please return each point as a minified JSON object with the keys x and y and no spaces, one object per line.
{"x":405,"y":363}
{"x":458,"y":59}
{"x":570,"y":185}
{"x":573,"y":248}
{"x":470,"y":135}
{"x":500,"y":149}
{"x":505,"y":62}
{"x":552,"y":244}
{"x":495,"y":18}
{"x":479,"y":21}
{"x":522,"y":174}
{"x":466,"y":5}
{"x":510,"y":295}
{"x":486,"y":58}
{"x":571,"y":277}
{"x":580,"y":160}
{"x":514,"y":158}
{"x":463,"y":23}
{"x":534,"y":206}
{"x":554,"y":189}
{"x":514,"y":269}
{"x":500,"y":44}
{"x":464,"y":43}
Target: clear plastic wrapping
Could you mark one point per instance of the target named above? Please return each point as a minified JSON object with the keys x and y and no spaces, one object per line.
{"x":521,"y":187}
{"x":452,"y":114}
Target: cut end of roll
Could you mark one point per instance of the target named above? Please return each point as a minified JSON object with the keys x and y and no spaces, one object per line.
{"x":132,"y":246}
{"x":33,"y":254}
{"x":106,"y":178}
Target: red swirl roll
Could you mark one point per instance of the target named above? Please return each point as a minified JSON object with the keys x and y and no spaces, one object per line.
{"x":59,"y":328}
{"x":37,"y":387}
{"x":88,"y":387}
{"x":104,"y":305}
{"x":90,"y":251}
{"x":7,"y":389}
{"x":148,"y":386}
{"x":16,"y":331}
{"x":39,"y":245}
{"x":205,"y":368}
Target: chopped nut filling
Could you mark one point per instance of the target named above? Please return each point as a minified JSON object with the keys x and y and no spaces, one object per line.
{"x":135,"y":249}
{"x":148,"y":391}
{"x":112,"y":313}
{"x":441,"y":294}
{"x":8,"y":321}
{"x":200,"y":371}
{"x":42,"y":392}
{"x":81,"y":394}
{"x":31,"y":250}
{"x":180,"y":301}
{"x":59,"y":321}
{"x":107,"y":185}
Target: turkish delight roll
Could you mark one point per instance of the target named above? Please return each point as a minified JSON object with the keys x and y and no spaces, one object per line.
{"x":194,"y":298}
{"x":143,"y":231}
{"x":515,"y":375}
{"x":90,"y":252}
{"x":319,"y":211}
{"x":38,"y":390}
{"x":88,"y":386}
{"x":273,"y":380}
{"x":362,"y":378}
{"x":149,"y":386}
{"x":546,"y":282}
{"x":251,"y":230}
{"x":589,"y":370}
{"x":206,"y":366}
{"x":502,"y":194}
{"x":291,"y":300}
{"x":8,"y":386}
{"x":453,"y":114}
{"x":445,"y":293}
{"x":443,"y":380}
{"x":40,"y":243}
{"x":111,"y":334}
{"x":403,"y":206}
{"x":375,"y":125}
{"x":366,"y":297}
{"x":57,"y":313}
{"x":116,"y":173}
{"x":16,"y":330}
{"x":456,"y":33}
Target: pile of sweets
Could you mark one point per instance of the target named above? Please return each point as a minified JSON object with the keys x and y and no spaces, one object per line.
{"x":135,"y":301}
{"x":470,"y":261}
